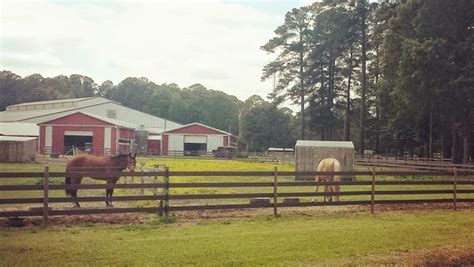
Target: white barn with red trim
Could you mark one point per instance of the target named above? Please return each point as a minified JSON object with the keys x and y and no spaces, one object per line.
{"x":193,"y":139}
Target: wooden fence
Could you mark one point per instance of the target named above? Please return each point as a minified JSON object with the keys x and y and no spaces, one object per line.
{"x":274,"y":199}
{"x":415,"y":164}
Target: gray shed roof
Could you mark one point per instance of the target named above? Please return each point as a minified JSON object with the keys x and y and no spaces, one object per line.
{"x":312,"y":143}
{"x":19,"y":129}
{"x":16,"y":138}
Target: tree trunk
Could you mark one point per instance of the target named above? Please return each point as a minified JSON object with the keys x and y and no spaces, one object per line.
{"x":347,"y":122}
{"x":377,"y":104}
{"x":430,"y":150}
{"x":455,"y":146}
{"x":364,"y":81}
{"x":329,"y":117}
{"x":302,"y":88}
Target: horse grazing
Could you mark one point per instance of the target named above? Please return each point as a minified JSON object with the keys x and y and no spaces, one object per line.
{"x":105,"y":168}
{"x":329,"y":165}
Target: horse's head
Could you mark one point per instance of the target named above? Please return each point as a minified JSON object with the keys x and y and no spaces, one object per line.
{"x":132,"y":161}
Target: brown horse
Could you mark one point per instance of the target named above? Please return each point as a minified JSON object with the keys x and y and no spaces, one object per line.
{"x":328,"y":165}
{"x":83,"y":165}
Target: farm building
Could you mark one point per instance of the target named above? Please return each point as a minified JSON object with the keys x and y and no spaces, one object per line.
{"x":100,"y":126}
{"x":310,"y":153}
{"x":39,"y":112}
{"x":17,"y":148}
{"x":193,"y":139}
{"x":87,"y":132}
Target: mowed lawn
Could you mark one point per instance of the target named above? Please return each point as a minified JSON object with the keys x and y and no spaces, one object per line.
{"x":263,"y":241}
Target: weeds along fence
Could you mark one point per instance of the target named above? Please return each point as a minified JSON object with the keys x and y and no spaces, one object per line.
{"x":282,"y":191}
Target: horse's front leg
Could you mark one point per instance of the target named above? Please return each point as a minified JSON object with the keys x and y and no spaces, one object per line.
{"x":110,"y":191}
{"x":326,"y":190}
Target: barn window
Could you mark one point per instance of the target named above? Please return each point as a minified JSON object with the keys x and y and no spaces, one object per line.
{"x":111,"y":114}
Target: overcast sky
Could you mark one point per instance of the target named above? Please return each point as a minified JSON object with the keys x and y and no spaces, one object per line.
{"x":215,"y":43}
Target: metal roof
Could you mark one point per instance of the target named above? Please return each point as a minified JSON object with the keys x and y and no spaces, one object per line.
{"x":51,"y":102}
{"x":19,"y":129}
{"x":111,"y":121}
{"x":335,"y":144}
{"x":16,"y":138}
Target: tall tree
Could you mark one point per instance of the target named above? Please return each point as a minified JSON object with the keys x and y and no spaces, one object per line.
{"x":290,"y":43}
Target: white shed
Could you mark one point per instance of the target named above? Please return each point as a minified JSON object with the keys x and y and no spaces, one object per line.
{"x":309,"y":153}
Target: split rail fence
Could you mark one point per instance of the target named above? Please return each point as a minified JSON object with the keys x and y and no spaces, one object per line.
{"x":415,"y":164}
{"x":274,"y":199}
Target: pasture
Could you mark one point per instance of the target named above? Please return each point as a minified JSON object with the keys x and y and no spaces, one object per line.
{"x":389,"y":237}
{"x":313,"y":236}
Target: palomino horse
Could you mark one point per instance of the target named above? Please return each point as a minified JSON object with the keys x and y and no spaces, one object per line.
{"x":107,"y":168}
{"x":329,"y":165}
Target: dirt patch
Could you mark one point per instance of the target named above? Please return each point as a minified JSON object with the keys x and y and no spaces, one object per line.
{"x":444,"y":256}
{"x":234,"y":214}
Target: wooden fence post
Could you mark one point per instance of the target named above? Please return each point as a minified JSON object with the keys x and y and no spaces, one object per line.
{"x":142,"y":179}
{"x":372,"y":192}
{"x":275,"y":192}
{"x":455,"y":183}
{"x":45,"y":195}
{"x":155,"y":190}
{"x":166,"y":192}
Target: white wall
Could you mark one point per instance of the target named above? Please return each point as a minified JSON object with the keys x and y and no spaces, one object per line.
{"x":175,"y":143}
{"x":214,"y":141}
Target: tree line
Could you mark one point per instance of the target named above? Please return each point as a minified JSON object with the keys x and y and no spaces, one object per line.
{"x":257,"y":124}
{"x":392,"y":76}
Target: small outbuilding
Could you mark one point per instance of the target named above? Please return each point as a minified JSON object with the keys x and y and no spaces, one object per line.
{"x":17,"y":148}
{"x":309,"y":153}
{"x":193,"y":139}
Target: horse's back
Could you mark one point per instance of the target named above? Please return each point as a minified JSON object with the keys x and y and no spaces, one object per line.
{"x":86,"y":163}
{"x":329,"y":165}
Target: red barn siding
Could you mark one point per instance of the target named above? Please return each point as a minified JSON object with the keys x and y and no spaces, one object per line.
{"x":113,"y":139}
{"x":78,"y":119}
{"x":226,"y":140}
{"x":97,"y":138}
{"x":164,"y":144}
{"x":154,"y":146}
{"x":127,"y":133}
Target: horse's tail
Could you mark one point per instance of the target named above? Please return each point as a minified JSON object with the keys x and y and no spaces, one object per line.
{"x":68,"y":182}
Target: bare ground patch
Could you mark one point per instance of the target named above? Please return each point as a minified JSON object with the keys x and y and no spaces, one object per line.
{"x":234,"y":214}
{"x":443,"y":256}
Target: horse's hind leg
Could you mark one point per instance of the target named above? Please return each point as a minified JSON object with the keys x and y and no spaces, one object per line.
{"x":75,"y":181}
{"x":316,"y":190}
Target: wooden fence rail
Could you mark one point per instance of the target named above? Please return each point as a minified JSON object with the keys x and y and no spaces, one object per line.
{"x":273,"y":198}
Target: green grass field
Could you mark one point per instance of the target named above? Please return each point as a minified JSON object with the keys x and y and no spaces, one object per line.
{"x":262,"y":241}
{"x":324,"y":238}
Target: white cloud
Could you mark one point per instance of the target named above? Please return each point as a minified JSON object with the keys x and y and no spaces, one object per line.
{"x":209,"y":42}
